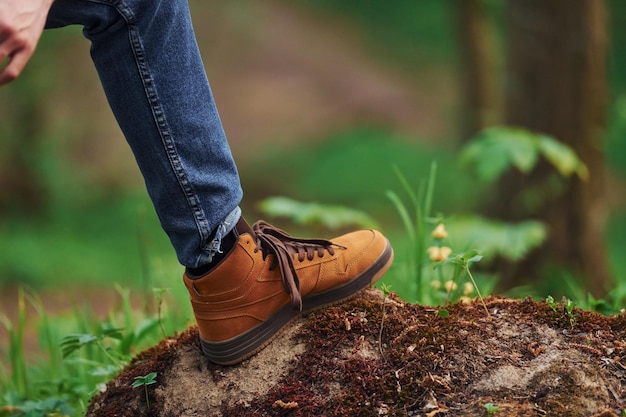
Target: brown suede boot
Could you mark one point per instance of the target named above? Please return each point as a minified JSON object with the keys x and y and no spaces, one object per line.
{"x":270,"y":278}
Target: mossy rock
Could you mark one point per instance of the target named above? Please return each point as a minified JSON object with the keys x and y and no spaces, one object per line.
{"x":522,"y":357}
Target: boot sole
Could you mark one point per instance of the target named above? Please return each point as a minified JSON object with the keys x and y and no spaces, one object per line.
{"x":240,"y":348}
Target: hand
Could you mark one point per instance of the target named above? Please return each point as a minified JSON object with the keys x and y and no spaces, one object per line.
{"x":21,"y":25}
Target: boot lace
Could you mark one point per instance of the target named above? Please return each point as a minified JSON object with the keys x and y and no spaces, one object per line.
{"x":283,"y":247}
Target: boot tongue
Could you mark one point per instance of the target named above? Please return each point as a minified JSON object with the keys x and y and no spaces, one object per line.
{"x":242,"y":227}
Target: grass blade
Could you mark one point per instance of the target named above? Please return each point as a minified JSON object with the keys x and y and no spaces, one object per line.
{"x":404,"y":214}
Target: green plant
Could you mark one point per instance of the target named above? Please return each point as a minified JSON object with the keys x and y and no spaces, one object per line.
{"x":611,"y":303}
{"x":491,"y":408}
{"x":496,"y":238}
{"x":463,"y":262}
{"x":553,"y":304}
{"x":73,"y":342}
{"x":414,"y":218}
{"x":567,"y":306}
{"x":496,"y":149}
{"x":439,"y":253}
{"x":312,"y":213}
{"x":17,"y":362}
{"x":59,"y":380}
{"x":500,"y":149}
{"x":144,"y":381}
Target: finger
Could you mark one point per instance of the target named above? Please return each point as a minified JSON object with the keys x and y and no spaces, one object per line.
{"x":6,"y":47}
{"x":5,"y":32}
{"x":17,"y":62}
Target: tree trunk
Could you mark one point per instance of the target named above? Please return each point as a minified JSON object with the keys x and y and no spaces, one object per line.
{"x":476,"y":67}
{"x":557,"y":86}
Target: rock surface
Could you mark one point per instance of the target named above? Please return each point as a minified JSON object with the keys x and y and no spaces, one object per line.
{"x":522,"y":357}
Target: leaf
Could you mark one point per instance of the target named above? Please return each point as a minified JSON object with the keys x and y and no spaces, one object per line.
{"x":145,"y":327}
{"x":494,"y":150}
{"x":474,"y":259}
{"x":443,"y":313}
{"x":562,"y":157}
{"x":74,"y":342}
{"x":107,"y":330}
{"x":330,"y":216}
{"x":151,"y":378}
{"x":491,"y":408}
{"x":404,"y":214}
{"x":141,"y":381}
{"x":137,"y":383}
{"x":495,"y":238}
{"x":406,"y":186}
{"x":456,"y":260}
{"x":140,"y":332}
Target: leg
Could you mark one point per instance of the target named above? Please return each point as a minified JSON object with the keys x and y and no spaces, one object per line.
{"x":150,"y":67}
{"x":148,"y":61}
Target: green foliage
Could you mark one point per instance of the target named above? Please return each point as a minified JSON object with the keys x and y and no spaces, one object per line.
{"x":464,"y":261}
{"x":443,"y":313}
{"x":73,"y":342}
{"x":51,"y":406}
{"x":415,"y":216}
{"x":78,"y":364}
{"x":95,"y":242}
{"x":17,"y":361}
{"x":565,"y":307}
{"x":553,"y":304}
{"x":491,"y":408}
{"x":354,"y":167}
{"x":496,"y":149}
{"x":312,"y":213}
{"x":495,"y":238}
{"x":490,"y":153}
{"x":386,"y":289}
{"x":141,"y":381}
{"x":144,"y":381}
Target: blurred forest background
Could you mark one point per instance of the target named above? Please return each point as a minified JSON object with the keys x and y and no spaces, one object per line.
{"x":320,"y":99}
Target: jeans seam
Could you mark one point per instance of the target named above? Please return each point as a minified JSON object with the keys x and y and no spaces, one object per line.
{"x":158,"y":114}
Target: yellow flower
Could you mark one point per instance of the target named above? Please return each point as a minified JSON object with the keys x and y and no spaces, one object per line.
{"x":468,"y":288}
{"x":450,"y":286}
{"x":435,"y":284}
{"x":439,"y":253}
{"x":440,"y":232}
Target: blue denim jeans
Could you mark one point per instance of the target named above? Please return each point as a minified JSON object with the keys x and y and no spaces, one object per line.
{"x":148,"y":61}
